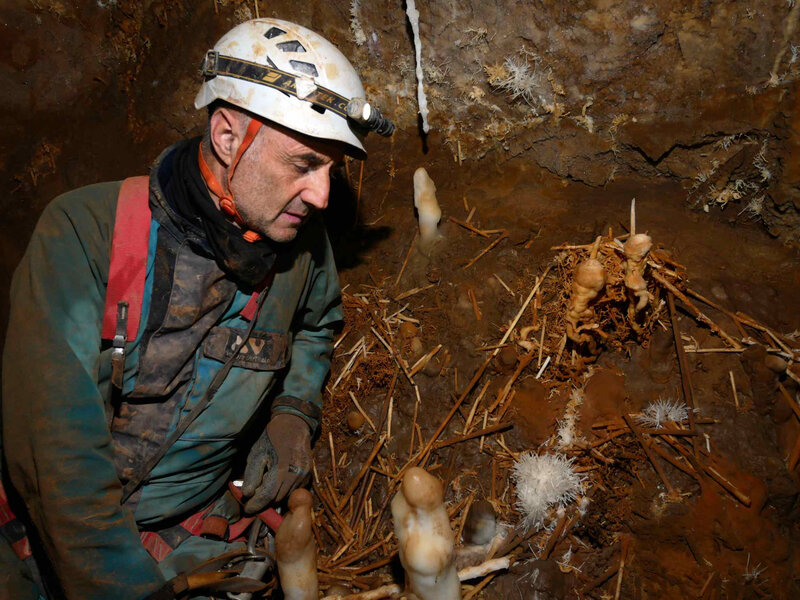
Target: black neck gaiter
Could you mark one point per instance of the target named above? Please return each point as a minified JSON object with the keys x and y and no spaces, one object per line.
{"x":248,"y":263}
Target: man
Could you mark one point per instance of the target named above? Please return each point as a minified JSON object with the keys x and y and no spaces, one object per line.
{"x":124,"y":411}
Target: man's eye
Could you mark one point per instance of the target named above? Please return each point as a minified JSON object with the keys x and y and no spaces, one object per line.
{"x":302,"y":169}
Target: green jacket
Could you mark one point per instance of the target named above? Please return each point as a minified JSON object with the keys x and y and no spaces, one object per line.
{"x":57,"y":399}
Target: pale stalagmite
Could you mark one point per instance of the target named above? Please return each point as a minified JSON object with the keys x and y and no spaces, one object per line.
{"x":295,"y":550}
{"x":589,"y":279}
{"x":636,"y":249}
{"x":427,"y":208}
{"x":426,"y":540}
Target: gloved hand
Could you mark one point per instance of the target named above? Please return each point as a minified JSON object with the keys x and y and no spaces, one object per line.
{"x":279,"y":462}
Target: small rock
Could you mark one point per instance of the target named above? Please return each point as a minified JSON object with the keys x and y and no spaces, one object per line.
{"x":408,"y":330}
{"x":775,"y":363}
{"x":506,"y":359}
{"x":338,"y":591}
{"x":355,"y":420}
{"x":481,"y":525}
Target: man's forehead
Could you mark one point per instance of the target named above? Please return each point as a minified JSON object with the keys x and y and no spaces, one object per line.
{"x":305,"y":147}
{"x":315,"y":155}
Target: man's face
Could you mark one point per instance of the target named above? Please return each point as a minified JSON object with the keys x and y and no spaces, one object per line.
{"x":281,"y":179}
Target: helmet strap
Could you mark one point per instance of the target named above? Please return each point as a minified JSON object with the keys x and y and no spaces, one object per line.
{"x":226,"y":202}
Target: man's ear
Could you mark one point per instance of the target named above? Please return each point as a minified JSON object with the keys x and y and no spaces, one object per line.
{"x":225,"y":132}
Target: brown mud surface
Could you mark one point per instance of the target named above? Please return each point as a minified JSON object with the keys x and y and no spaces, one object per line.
{"x":699,"y":541}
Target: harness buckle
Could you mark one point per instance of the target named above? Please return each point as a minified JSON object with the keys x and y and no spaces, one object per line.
{"x":118,"y":345}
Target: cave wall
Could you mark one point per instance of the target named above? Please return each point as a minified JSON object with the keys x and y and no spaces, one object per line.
{"x":702,"y":92}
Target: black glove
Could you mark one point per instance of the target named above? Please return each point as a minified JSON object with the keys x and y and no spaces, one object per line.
{"x":279,"y":462}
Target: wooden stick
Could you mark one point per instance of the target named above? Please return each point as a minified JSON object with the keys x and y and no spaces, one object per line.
{"x":336,"y":515}
{"x":472,"y":435}
{"x":389,"y":420}
{"x":467,"y":226}
{"x":707,"y":586}
{"x":333,"y":460}
{"x":364,"y":468}
{"x":398,"y":359}
{"x":608,"y":438}
{"x":669,"y":431}
{"x":414,"y":427}
{"x":475,"y":407}
{"x":625,"y":543}
{"x":503,"y":283}
{"x":358,"y":195}
{"x":683,"y":363}
{"x":476,"y":590}
{"x":464,"y":515}
{"x":695,"y":350}
{"x":347,"y":160}
{"x":675,"y":463}
{"x":508,"y":401}
{"x":610,"y":244}
{"x":733,"y":387}
{"x":385,"y":591}
{"x":748,"y":320}
{"x":635,"y":430}
{"x":792,"y":403}
{"x":523,"y":363}
{"x":386,"y":413}
{"x":541,"y":341}
{"x":474,"y":301}
{"x":554,"y":537}
{"x":713,"y":473}
{"x":561,"y":347}
{"x":493,"y":489}
{"x":608,"y":574}
{"x":376,"y":565}
{"x":359,"y":555}
{"x":503,"y":236}
{"x":413,"y":291}
{"x":698,"y":315}
{"x":360,"y":504}
{"x":420,"y":364}
{"x":717,"y":476}
{"x":720,"y":308}
{"x":363,"y":412}
{"x":405,"y":262}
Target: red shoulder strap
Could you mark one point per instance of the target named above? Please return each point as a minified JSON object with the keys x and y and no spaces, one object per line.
{"x":129,"y":246}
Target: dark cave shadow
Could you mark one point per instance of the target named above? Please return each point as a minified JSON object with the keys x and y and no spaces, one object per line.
{"x":350,"y":238}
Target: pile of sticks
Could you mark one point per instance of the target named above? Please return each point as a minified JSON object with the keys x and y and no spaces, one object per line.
{"x":352,"y":521}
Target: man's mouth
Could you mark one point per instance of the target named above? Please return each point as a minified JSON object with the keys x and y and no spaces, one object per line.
{"x":295,"y":217}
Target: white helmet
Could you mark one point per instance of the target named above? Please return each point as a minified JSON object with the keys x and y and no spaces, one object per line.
{"x":290,"y":75}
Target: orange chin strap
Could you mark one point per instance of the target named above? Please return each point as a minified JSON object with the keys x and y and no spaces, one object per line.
{"x":226,"y":202}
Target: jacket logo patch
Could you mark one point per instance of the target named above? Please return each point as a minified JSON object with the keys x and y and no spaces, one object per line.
{"x":263,"y":351}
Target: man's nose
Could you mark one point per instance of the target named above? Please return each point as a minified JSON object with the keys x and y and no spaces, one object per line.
{"x":318,"y":189}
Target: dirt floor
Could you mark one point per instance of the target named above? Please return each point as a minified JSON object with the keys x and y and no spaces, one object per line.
{"x":725,"y":527}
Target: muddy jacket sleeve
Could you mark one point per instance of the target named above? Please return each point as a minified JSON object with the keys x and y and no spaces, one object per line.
{"x":316,"y":320}
{"x":55,"y":434}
